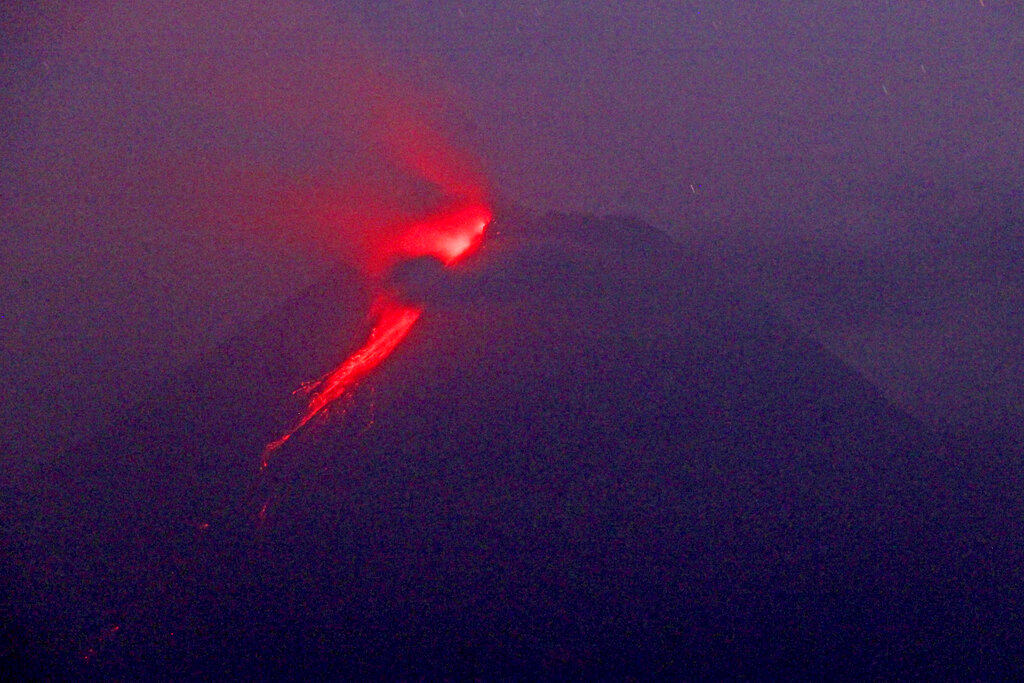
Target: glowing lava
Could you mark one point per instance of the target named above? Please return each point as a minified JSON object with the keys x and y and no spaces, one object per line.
{"x":448,"y":236}
{"x":394,"y":323}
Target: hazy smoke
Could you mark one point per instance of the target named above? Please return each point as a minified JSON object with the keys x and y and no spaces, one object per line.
{"x":241,"y":116}
{"x":171,"y":168}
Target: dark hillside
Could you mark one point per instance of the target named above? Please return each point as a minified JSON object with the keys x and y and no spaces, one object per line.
{"x":594,"y":454}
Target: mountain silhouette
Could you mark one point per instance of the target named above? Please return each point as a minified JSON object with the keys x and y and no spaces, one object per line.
{"x":595,"y":454}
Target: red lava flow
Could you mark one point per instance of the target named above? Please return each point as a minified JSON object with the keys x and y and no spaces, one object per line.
{"x":449,"y":236}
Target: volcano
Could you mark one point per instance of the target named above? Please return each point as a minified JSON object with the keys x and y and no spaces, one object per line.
{"x":595,"y":454}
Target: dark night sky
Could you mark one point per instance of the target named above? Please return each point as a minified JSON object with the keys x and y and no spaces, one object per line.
{"x":171,"y":173}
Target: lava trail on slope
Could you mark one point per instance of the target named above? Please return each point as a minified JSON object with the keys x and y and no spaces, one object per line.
{"x":449,"y":236}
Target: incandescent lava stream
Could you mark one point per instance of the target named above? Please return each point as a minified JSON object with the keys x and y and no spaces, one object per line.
{"x":449,"y":236}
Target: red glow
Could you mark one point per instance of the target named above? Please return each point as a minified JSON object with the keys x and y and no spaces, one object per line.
{"x":448,"y":236}
{"x":392,"y":326}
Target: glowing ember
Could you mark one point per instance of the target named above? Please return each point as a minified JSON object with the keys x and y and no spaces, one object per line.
{"x":448,"y":236}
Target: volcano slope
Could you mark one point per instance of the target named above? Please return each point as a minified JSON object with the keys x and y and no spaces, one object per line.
{"x":593,"y":455}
